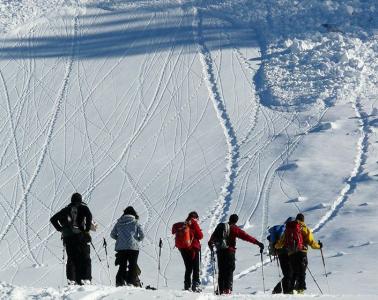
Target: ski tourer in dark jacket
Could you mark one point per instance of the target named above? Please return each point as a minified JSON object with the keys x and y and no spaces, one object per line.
{"x":74,"y":222}
{"x":235,"y":232}
{"x":74,"y":218}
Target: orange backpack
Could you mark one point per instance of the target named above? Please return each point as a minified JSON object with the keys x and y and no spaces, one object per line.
{"x":182,"y":235}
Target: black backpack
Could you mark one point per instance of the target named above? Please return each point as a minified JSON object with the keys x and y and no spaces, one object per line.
{"x":73,"y":220}
{"x":222,"y":234}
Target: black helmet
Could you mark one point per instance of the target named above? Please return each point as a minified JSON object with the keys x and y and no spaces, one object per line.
{"x":76,"y":198}
{"x":234,"y":218}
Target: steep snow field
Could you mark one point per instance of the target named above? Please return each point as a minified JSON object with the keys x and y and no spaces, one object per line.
{"x":260,"y":108}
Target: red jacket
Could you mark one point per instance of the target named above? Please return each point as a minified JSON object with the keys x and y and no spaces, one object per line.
{"x":235,"y":232}
{"x":195,"y":233}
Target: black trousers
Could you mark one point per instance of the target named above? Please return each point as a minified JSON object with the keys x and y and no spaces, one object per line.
{"x":128,"y":267}
{"x":298,"y":263}
{"x":192,"y":265}
{"x":226,"y":268}
{"x":285,"y":285}
{"x":79,"y":265}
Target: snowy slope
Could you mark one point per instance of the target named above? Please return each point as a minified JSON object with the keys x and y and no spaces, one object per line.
{"x":261,"y":108}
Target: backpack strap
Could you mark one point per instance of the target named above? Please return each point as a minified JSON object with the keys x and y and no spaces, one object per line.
{"x":226,"y":233}
{"x":226,"y":230}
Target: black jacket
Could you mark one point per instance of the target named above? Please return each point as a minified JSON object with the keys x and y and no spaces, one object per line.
{"x":62,"y":219}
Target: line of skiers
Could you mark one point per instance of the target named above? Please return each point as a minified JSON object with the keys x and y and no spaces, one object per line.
{"x":288,"y":242}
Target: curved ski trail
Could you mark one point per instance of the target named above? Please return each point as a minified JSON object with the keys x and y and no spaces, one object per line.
{"x":222,"y":204}
{"x":360,"y":159}
{"x":351,"y":183}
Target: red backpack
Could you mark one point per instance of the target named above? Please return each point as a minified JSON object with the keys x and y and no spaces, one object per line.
{"x":181,"y":230}
{"x":293,"y":237}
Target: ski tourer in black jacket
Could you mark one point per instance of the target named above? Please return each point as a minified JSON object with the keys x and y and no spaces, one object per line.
{"x":74,"y":221}
{"x":62,"y":220}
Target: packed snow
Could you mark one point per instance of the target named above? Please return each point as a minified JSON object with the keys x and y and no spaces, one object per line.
{"x":260,"y":108}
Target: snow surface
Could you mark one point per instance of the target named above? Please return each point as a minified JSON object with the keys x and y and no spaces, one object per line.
{"x":261,"y":108}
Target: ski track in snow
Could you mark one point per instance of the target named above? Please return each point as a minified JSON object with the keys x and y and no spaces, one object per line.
{"x":63,"y":127}
{"x":53,"y":119}
{"x":150,"y":111}
{"x":351,"y":183}
{"x":265,"y":187}
{"x":360,"y":159}
{"x":13,"y":131}
{"x":223,"y":202}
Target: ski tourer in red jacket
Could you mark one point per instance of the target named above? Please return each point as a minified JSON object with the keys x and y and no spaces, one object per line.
{"x":224,"y":238}
{"x":234,"y":232}
{"x":190,"y":254}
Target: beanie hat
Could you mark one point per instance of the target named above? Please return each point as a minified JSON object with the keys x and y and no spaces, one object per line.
{"x":131,"y":211}
{"x":233,"y":219}
{"x":300,"y":217}
{"x":192,"y":215}
{"x":76,"y":198}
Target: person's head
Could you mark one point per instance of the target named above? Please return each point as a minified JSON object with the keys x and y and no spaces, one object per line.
{"x":131,"y":211}
{"x":192,"y":215}
{"x":233,"y":219}
{"x":76,"y":198}
{"x":299,"y":217}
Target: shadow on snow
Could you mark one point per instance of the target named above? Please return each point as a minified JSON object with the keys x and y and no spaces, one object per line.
{"x":117,"y":32}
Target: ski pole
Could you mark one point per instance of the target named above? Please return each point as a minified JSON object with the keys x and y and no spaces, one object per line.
{"x":106,"y":252}
{"x":158,"y":275}
{"x":315,"y":280}
{"x":212,"y":265}
{"x":262,"y":270}
{"x":105,"y":244}
{"x":96,"y":252}
{"x":200,"y":262}
{"x":63,"y":260}
{"x":325,"y":271}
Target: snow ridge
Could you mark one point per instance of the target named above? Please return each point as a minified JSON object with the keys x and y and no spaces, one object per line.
{"x":222,"y":205}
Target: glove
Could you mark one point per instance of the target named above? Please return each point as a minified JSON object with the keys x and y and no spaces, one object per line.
{"x":320,"y":244}
{"x":261,"y":245}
